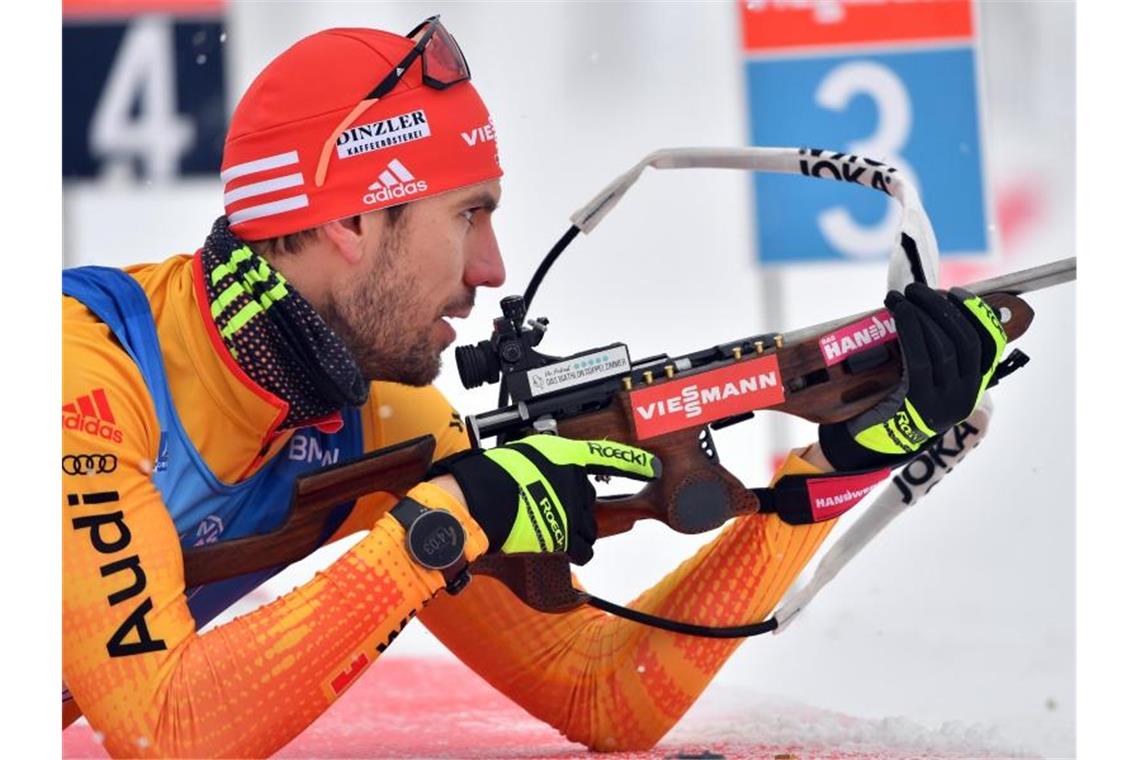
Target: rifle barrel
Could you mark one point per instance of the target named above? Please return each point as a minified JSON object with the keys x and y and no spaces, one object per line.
{"x":1034,"y":278}
{"x":1015,"y":283}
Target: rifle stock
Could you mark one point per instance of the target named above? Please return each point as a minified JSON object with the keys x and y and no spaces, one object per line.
{"x":823,"y":394}
{"x":694,"y":494}
{"x":394,"y":470}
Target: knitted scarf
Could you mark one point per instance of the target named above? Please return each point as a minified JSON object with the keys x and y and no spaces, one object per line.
{"x":274,"y":334}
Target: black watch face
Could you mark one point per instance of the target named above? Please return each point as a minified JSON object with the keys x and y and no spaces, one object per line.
{"x":436,"y":539}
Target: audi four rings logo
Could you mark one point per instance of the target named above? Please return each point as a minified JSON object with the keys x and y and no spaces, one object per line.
{"x":89,"y":464}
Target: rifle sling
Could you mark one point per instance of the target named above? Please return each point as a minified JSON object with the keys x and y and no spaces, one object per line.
{"x":798,"y":500}
{"x":676,"y":626}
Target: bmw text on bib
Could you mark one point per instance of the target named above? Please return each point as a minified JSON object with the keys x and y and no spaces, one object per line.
{"x":677,"y":404}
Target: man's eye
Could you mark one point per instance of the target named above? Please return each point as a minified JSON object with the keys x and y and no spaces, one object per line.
{"x":469,"y":215}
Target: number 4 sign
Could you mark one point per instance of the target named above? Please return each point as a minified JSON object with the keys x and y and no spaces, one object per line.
{"x":143,"y":70}
{"x":143,"y":90}
{"x":893,"y":81}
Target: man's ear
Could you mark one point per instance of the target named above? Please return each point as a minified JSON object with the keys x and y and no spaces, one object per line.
{"x":347,"y":237}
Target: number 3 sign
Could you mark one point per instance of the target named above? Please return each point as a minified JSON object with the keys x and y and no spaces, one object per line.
{"x":891,"y":81}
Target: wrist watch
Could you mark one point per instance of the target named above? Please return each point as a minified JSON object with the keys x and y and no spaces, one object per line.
{"x":435,"y":539}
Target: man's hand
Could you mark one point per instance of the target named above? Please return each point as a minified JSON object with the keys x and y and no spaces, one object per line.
{"x":533,"y":495}
{"x":951,"y":344}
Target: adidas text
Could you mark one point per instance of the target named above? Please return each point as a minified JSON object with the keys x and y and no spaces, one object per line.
{"x":94,"y":427}
{"x":397,"y":191}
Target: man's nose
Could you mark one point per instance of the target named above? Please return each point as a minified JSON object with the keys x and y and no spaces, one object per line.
{"x":485,"y":266}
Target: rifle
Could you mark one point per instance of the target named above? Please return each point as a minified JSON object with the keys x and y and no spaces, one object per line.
{"x":608,"y":396}
{"x":659,"y":405}
{"x":662,"y":403}
{"x":668,"y":405}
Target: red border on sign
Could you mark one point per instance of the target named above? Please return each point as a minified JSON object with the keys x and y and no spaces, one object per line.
{"x":126,"y":8}
{"x":768,"y":25}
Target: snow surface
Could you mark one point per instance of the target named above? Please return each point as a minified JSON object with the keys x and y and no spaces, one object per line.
{"x":395,"y":712}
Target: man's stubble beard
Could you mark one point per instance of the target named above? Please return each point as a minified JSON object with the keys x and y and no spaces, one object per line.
{"x":372,"y":321}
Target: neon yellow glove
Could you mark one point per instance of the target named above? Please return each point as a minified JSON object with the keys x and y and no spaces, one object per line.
{"x":533,"y":495}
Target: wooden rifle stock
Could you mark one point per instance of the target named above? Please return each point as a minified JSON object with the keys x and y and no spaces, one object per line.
{"x":394,"y":470}
{"x":695,"y":493}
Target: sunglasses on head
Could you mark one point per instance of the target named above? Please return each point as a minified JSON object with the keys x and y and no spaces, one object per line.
{"x":442,"y":63}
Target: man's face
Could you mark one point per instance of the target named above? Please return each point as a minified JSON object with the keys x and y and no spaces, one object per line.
{"x":424,"y":267}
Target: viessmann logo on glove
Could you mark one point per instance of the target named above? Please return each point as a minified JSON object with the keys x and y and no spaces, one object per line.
{"x":736,"y":389}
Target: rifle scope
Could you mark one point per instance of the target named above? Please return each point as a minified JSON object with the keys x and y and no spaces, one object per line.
{"x":510,"y":347}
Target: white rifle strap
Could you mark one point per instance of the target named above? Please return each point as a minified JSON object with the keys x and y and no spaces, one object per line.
{"x":914,"y":225}
{"x":913,"y":256}
{"x":905,"y":489}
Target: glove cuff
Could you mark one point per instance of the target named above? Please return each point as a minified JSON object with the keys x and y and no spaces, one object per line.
{"x":845,"y":455}
{"x":491,"y":495}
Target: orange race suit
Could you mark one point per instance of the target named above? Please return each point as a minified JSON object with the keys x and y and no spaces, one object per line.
{"x":133,"y":661}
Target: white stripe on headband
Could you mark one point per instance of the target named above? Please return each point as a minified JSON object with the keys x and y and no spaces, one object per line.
{"x":261,"y":188}
{"x":400,"y":170}
{"x":269,"y":209}
{"x":260,"y":165}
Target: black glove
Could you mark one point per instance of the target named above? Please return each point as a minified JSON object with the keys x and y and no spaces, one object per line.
{"x":532,"y":495}
{"x":951,"y":344}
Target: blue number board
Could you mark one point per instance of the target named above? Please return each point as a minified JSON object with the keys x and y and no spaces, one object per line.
{"x":916,"y":110}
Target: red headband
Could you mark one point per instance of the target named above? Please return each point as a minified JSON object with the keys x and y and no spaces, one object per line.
{"x":413,"y":143}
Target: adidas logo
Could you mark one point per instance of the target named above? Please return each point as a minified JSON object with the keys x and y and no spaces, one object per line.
{"x":394,"y":182}
{"x":92,"y":414}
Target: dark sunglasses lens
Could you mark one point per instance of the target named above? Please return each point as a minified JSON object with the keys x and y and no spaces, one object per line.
{"x":444,"y":64}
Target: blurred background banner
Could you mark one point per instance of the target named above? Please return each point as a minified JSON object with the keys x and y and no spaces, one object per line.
{"x":896,"y":82}
{"x":961,"y":615}
{"x":143,"y":89}
{"x":146,"y":102}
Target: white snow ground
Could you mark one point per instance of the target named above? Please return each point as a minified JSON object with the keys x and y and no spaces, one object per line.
{"x":741,"y":719}
{"x":956,"y":627}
